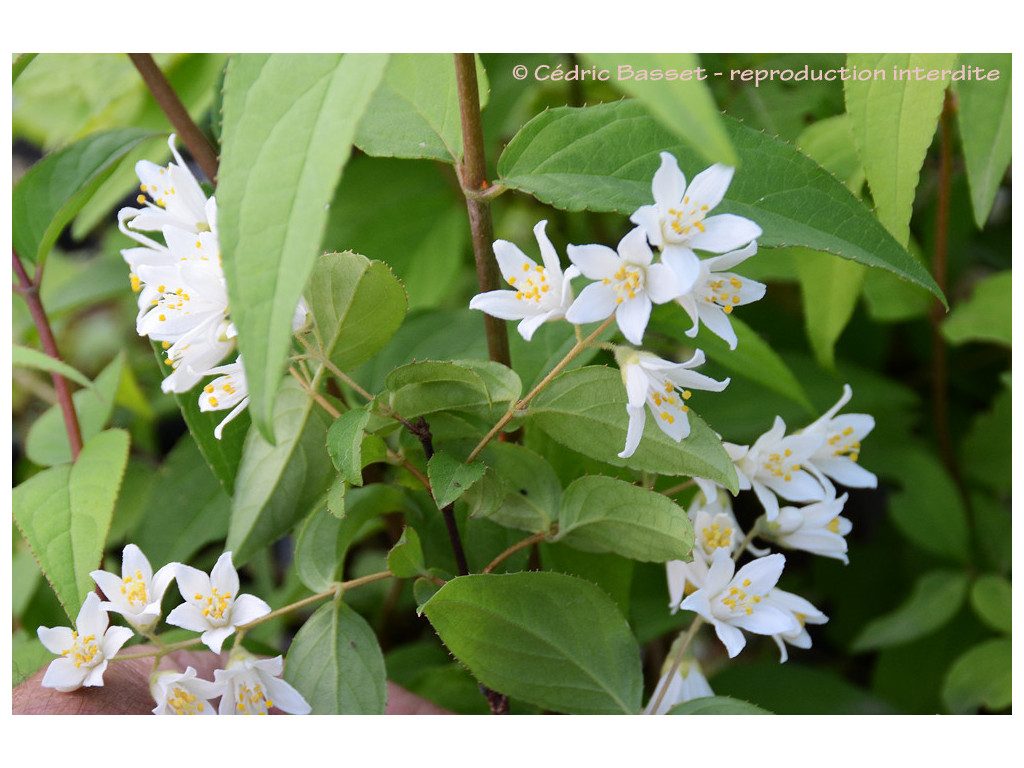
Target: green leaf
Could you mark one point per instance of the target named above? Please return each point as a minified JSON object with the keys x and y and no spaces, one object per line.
{"x":929,"y":510}
{"x":585,"y":410}
{"x":277,"y":484}
{"x":64,"y":514}
{"x":992,"y":600}
{"x":604,"y":157}
{"x":336,"y":664}
{"x":602,"y":514}
{"x":26,"y":357}
{"x":552,"y":640}
{"x":281,"y":159}
{"x":519,"y":490}
{"x":345,"y":442}
{"x":414,"y":112}
{"x":405,"y":559}
{"x":718,"y":705}
{"x":47,"y":441}
{"x":829,"y":289}
{"x":993,"y":529}
{"x":984,"y":317}
{"x":612,"y":573}
{"x":830,"y":142}
{"x":23,"y":60}
{"x":984,"y":117}
{"x":52,"y":191}
{"x":186,"y":509}
{"x":420,"y":389}
{"x":893,"y":124}
{"x":676,"y":96}
{"x":936,"y":598}
{"x":986,"y":452}
{"x":358,"y":305}
{"x":450,"y":478}
{"x":318,"y":554}
{"x":980,"y":677}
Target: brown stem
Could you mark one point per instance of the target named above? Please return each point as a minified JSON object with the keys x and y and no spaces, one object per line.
{"x":529,"y":541}
{"x":193,"y":138}
{"x":473,"y":177}
{"x":30,"y":291}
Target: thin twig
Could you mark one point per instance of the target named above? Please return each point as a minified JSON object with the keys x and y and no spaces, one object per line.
{"x":529,"y":541}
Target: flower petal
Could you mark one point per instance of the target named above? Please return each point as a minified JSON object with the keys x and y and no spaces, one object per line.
{"x":725,"y":232}
{"x":511,"y":259}
{"x":661,"y":283}
{"x":669,"y":183}
{"x":649,"y":218}
{"x":632,"y":316}
{"x":685,"y":265}
{"x":634,"y":431}
{"x":595,"y":302}
{"x":248,"y":608}
{"x":187,"y":616}
{"x":224,"y":577}
{"x":594,"y":261}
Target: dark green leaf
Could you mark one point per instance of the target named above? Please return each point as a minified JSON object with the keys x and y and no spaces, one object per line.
{"x":420,"y":389}
{"x":992,"y":600}
{"x":519,"y":490}
{"x":450,"y":478}
{"x":345,"y":442}
{"x":983,"y":317}
{"x":405,"y":560}
{"x":718,"y":705}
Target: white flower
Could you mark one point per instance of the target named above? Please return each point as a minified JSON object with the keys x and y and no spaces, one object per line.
{"x":252,"y":686}
{"x":677,"y":222}
{"x":816,"y":528}
{"x":212,"y":603}
{"x":736,"y":602}
{"x":182,"y":693}
{"x":83,"y":652}
{"x":775,"y":463}
{"x":541,"y":293}
{"x":802,"y":612}
{"x":136,"y":595}
{"x":665,"y":387}
{"x":687,"y":683}
{"x":837,"y":456}
{"x":714,"y":527}
{"x":629,"y":282}
{"x":228,"y":391}
{"x":716,"y":292}
{"x":177,"y":198}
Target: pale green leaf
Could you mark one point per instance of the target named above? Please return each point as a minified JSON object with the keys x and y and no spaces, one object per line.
{"x":992,"y":600}
{"x":405,"y":560}
{"x":980,"y":677}
{"x":829,"y":288}
{"x":281,"y":159}
{"x":672,"y":86}
{"x":335,"y":662}
{"x":830,"y":143}
{"x":893,"y":124}
{"x":450,"y":478}
{"x":345,"y":442}
{"x":420,"y":389}
{"x":986,"y":316}
{"x":26,"y":357}
{"x":552,"y":640}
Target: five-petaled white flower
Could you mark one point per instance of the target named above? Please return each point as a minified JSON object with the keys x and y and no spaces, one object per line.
{"x":541,"y":293}
{"x":678,"y":221}
{"x":687,"y":683}
{"x":230,"y":390}
{"x":736,"y":602}
{"x":838,"y":454}
{"x":774,"y":463}
{"x":212,"y":603}
{"x":182,"y":693}
{"x":802,"y":612}
{"x":665,"y":387}
{"x":816,"y":528}
{"x":136,"y":595}
{"x":714,"y":527}
{"x":628,"y":284}
{"x":252,"y":686}
{"x":83,"y":651}
{"x":716,"y":292}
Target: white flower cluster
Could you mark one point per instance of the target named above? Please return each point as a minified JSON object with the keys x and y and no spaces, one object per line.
{"x":213,"y":606}
{"x":183,"y":297}
{"x":627,"y":282}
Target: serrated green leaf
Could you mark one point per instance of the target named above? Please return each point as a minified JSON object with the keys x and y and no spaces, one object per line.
{"x":830,"y":142}
{"x":277,"y":484}
{"x":345,"y":442}
{"x":893,"y":124}
{"x":405,"y":559}
{"x":585,"y":410}
{"x":992,"y":600}
{"x":519,"y":490}
{"x":358,"y":305}
{"x":984,"y":117}
{"x":280,"y":162}
{"x":604,"y":158}
{"x":450,"y":478}
{"x":936,"y":598}
{"x":985,"y":316}
{"x":980,"y":678}
{"x":829,"y":288}
{"x":551,"y":640}
{"x":718,"y":705}
{"x":64,"y":514}
{"x":47,"y":441}
{"x":420,"y":389}
{"x":684,"y":106}
{"x":414,"y":112}
{"x":50,"y":193}
{"x":602,"y":514}
{"x":26,"y":357}
{"x":335,"y":662}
